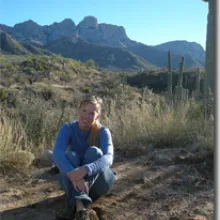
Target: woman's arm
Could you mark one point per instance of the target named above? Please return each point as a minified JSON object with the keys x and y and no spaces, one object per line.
{"x":60,"y":147}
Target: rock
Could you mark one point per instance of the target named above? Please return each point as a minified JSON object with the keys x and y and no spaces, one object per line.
{"x":66,"y":28}
{"x":106,"y":34}
{"x":88,"y":22}
{"x":28,"y":30}
{"x":44,"y":159}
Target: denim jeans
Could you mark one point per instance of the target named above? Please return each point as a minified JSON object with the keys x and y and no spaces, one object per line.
{"x":98,"y":185}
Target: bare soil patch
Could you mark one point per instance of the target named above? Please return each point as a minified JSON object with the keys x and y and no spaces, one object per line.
{"x":148,"y":187}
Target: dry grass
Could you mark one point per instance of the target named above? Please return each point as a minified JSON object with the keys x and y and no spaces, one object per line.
{"x":15,"y":150}
{"x":132,"y":124}
{"x":161,"y":126}
{"x":43,"y":106}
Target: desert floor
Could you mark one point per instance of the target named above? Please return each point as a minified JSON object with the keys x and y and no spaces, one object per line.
{"x":159,"y":185}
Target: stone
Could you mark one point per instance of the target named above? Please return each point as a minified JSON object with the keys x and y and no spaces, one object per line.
{"x":44,"y":159}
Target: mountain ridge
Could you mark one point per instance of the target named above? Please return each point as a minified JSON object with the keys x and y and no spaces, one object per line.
{"x":103,"y":34}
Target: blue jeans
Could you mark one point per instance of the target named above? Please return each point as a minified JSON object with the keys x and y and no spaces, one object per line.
{"x":98,"y":185}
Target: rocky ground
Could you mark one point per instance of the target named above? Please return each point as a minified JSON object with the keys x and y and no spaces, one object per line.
{"x":159,"y":186}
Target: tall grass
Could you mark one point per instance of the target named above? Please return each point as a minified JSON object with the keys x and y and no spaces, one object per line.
{"x":133,"y":125}
{"x":162,"y":126}
{"x":15,"y":150}
{"x":134,"y":120}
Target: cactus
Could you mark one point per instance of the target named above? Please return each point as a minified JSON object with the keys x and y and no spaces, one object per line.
{"x":124,"y":79}
{"x":143,"y":91}
{"x":186,"y":81}
{"x":210,"y":48}
{"x":185,"y":94}
{"x":197,"y":92}
{"x":180,"y":81}
{"x":170,"y":84}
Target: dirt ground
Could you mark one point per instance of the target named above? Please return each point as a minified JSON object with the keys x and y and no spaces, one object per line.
{"x":159,"y":185}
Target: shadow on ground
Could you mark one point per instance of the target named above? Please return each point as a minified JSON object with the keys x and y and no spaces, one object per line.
{"x":45,"y":209}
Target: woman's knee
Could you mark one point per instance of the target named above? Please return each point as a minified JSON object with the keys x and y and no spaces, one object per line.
{"x":93,"y":153}
{"x":103,"y":184}
{"x":73,"y":157}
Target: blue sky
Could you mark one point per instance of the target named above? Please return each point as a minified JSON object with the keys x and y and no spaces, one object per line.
{"x":148,"y":21}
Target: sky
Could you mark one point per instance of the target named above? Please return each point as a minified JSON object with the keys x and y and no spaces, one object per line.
{"x":151,"y":22}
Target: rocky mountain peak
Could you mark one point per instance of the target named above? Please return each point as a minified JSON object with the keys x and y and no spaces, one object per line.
{"x":65,"y":28}
{"x":68,"y":21}
{"x":26,"y":24}
{"x":88,"y":22}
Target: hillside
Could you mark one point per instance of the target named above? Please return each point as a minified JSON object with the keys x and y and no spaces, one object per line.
{"x":160,"y":57}
{"x":104,"y":56}
{"x":92,"y":32}
{"x":164,"y":163}
{"x":192,"y":49}
{"x":158,"y":80}
{"x":12,"y":47}
{"x":163,"y":156}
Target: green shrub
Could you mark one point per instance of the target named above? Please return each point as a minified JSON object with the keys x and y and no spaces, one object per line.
{"x":3,"y":95}
{"x":87,"y":90}
{"x":10,"y":67}
{"x":91,"y":64}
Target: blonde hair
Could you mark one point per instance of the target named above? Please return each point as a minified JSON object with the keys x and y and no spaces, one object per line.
{"x":93,"y":140}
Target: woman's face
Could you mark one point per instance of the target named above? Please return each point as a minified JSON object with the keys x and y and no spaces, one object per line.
{"x":87,"y":116}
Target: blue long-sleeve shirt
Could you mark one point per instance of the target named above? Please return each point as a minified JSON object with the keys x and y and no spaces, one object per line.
{"x":71,"y":133}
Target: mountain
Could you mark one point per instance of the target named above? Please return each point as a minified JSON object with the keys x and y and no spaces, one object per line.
{"x":159,"y":57}
{"x":31,"y":32}
{"x":192,"y":49}
{"x":104,"y":35}
{"x":66,"y":28}
{"x":104,"y":56}
{"x":11,"y":46}
{"x":112,"y":35}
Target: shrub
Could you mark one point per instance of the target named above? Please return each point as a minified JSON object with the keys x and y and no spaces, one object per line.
{"x":91,"y":64}
{"x":10,"y":67}
{"x":3,"y":95}
{"x":47,"y":94}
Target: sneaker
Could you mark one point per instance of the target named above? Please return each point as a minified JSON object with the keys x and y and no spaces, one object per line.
{"x":66,"y":214}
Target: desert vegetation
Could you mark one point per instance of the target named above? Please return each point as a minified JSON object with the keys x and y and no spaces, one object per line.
{"x":163,"y":141}
{"x":39,"y":93}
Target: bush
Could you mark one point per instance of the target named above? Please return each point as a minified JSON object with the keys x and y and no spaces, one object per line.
{"x":91,"y":64}
{"x":47,"y":94}
{"x":3,"y":95}
{"x":10,"y":67}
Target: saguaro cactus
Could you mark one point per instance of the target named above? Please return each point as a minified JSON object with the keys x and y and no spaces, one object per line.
{"x":143,"y":91}
{"x":124,"y":79}
{"x":170,"y":83}
{"x":209,"y":61}
{"x":180,"y":80}
{"x":198,"y":77}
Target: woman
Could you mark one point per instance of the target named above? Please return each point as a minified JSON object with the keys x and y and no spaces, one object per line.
{"x":83,"y":152}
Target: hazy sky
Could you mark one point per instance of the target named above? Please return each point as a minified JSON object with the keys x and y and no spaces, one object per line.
{"x":148,"y":21}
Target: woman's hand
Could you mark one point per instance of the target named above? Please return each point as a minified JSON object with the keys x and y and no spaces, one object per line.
{"x":77,"y":174}
{"x":81,"y":185}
